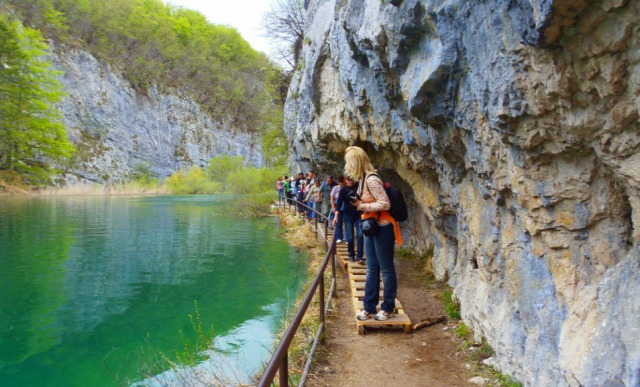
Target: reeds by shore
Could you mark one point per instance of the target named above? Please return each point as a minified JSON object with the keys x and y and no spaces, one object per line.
{"x":97,"y":189}
{"x":88,"y":190}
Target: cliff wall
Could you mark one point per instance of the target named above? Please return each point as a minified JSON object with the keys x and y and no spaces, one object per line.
{"x":118,"y":130}
{"x":513,"y":127}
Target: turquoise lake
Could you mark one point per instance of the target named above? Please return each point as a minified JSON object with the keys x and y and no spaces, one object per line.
{"x":93,"y":288}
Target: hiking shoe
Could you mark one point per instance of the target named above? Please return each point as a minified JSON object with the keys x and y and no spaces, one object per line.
{"x":383,"y":315}
{"x":361,"y":261}
{"x":364,"y":315}
{"x":352,"y":259}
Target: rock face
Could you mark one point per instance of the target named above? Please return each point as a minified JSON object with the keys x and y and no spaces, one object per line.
{"x":117,"y":130}
{"x":513,"y":128}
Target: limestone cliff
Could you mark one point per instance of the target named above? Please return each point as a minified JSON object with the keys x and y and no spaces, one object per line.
{"x":117,"y":130}
{"x":513,"y":127}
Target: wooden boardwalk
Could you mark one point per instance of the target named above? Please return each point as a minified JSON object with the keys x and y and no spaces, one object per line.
{"x":357,"y":275}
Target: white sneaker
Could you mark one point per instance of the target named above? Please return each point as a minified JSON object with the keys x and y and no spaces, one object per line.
{"x":383,"y":315}
{"x":339,"y":241}
{"x":364,"y":315}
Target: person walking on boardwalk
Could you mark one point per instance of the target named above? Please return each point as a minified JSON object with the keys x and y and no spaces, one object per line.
{"x":280,"y":188}
{"x":352,"y":221}
{"x":287,"y":188}
{"x":300,"y":197}
{"x":313,"y":197}
{"x":381,"y":232}
{"x":325,"y":190}
{"x":337,"y":211}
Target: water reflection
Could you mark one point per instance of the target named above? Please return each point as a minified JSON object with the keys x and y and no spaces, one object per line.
{"x":232,"y":361}
{"x":86,"y":282}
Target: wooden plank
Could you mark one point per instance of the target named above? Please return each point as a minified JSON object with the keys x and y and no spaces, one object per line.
{"x":359,"y":294}
{"x":357,"y":265}
{"x":398,"y":320}
{"x":360,"y":283}
{"x":357,"y":285}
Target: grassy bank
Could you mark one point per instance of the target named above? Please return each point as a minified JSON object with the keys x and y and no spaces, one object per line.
{"x":97,"y":189}
{"x":13,"y":184}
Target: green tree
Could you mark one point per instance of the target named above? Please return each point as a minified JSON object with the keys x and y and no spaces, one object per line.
{"x":221,"y":167}
{"x":274,"y":145}
{"x":32,"y":136}
{"x":192,"y":181}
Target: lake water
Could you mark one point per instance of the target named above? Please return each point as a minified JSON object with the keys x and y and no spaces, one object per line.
{"x":93,"y":288}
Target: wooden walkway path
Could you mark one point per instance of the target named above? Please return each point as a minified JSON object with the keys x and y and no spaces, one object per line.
{"x":357,"y":275}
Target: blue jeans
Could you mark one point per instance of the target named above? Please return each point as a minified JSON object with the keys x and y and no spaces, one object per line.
{"x":338,"y":226}
{"x":349,"y":223}
{"x":380,"y":259}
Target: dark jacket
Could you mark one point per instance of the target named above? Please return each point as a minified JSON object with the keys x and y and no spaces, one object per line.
{"x":343,"y":197}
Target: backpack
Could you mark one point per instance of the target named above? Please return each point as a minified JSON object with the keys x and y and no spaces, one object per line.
{"x":398,"y":208}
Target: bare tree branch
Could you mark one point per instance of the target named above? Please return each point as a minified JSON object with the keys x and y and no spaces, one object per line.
{"x":283,"y":25}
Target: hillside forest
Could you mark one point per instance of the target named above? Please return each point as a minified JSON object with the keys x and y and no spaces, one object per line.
{"x":150,"y":43}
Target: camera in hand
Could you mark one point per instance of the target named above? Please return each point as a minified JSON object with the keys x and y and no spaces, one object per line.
{"x":353,"y":196}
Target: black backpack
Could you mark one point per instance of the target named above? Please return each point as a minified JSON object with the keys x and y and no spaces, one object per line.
{"x":398,"y":206}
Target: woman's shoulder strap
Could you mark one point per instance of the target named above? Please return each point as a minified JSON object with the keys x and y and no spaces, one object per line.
{"x":362,"y":183}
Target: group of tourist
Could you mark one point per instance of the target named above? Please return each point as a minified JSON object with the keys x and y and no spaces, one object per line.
{"x":306,"y":189}
{"x":331,"y":198}
{"x":357,"y":198}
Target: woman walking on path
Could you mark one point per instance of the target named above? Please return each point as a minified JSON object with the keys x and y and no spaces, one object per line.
{"x":313,"y":197}
{"x":351,"y":217}
{"x":374,"y":203}
{"x":325,"y":189}
{"x":336,"y":214}
{"x":280,"y":188}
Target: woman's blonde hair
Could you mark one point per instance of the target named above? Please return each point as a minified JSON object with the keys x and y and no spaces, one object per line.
{"x":357,"y":164}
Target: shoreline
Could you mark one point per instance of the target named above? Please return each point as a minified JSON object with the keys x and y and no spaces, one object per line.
{"x":130,"y":189}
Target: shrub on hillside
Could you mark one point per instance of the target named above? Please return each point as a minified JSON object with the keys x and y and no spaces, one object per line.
{"x":193,"y":181}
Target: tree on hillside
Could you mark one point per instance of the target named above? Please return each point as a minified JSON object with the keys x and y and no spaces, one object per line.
{"x":284,"y":25}
{"x":221,"y":166}
{"x":32,"y":136}
{"x":153,"y":43}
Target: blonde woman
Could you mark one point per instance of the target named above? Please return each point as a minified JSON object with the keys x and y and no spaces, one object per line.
{"x":372,"y":200}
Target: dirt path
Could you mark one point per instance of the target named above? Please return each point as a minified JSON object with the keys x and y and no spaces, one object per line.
{"x":427,"y":357}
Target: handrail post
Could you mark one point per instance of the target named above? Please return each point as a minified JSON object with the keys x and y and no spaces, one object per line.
{"x":321,"y":297}
{"x":283,"y":372}
{"x":333,"y":262}
{"x":326,"y":233}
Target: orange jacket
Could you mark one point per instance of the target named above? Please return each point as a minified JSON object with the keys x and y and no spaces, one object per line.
{"x":384,"y":215}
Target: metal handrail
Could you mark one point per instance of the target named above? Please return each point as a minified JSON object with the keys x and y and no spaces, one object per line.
{"x":280,"y":359}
